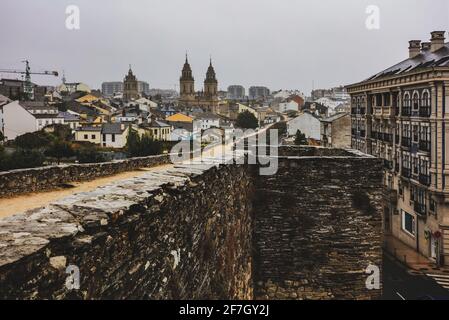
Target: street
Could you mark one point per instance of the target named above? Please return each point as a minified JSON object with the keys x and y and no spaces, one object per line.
{"x":399,"y":284}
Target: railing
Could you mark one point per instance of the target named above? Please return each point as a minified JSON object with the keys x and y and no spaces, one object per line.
{"x":424,"y":112}
{"x":378,"y":110}
{"x":424,"y":146}
{"x":424,"y":179}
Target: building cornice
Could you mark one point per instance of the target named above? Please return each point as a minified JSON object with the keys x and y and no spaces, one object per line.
{"x":406,"y":79}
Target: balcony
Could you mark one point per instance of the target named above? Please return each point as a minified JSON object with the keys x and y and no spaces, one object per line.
{"x":424,"y":112}
{"x":424,"y":179}
{"x":420,"y":208}
{"x":424,"y":146}
{"x":406,"y":172}
{"x":406,"y":111}
{"x":406,"y":142}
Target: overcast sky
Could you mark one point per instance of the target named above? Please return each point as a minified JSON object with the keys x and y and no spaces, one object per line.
{"x":286,"y":44}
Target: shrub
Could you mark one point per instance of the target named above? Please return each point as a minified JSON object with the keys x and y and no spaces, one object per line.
{"x":89,"y":155}
{"x":20,"y":159}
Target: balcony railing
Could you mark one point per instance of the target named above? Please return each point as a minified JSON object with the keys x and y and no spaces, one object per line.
{"x":420,"y":208}
{"x":424,"y":146}
{"x":424,"y":112}
{"x":406,"y":142}
{"x":424,"y":179}
{"x":405,"y":172}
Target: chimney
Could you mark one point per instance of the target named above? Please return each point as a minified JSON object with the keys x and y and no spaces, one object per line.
{"x":425,"y":46}
{"x":414,"y":48}
{"x":437,"y":40}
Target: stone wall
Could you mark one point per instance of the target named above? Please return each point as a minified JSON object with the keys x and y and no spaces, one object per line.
{"x":19,"y":181}
{"x":178,"y":233}
{"x":201,"y":231}
{"x":318,"y":225}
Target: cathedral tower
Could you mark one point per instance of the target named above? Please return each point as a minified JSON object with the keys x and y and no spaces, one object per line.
{"x":130,"y":86}
{"x":187,"y":84}
{"x":210,"y":83}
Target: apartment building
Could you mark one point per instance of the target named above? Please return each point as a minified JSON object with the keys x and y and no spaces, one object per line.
{"x":402,"y":115}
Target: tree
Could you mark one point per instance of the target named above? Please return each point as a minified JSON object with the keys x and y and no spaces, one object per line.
{"x":60,"y":149}
{"x":133,"y":143}
{"x":149,"y":146}
{"x":300,"y":138}
{"x":33,"y":140}
{"x":246,"y":120}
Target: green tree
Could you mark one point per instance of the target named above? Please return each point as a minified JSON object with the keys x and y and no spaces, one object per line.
{"x":133,"y":144}
{"x":246,"y":120}
{"x":33,"y":140}
{"x":151,"y":147}
{"x":59,"y":150}
{"x":300,"y":138}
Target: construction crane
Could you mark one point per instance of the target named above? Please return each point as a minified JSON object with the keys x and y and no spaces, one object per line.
{"x":28,"y":89}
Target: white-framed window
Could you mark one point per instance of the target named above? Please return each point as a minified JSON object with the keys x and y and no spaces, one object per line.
{"x":408,"y":223}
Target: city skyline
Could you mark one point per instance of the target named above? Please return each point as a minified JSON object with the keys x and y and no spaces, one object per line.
{"x":144,"y":35}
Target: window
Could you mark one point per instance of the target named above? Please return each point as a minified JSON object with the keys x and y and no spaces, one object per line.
{"x":425,"y":99}
{"x":407,"y":99}
{"x":104,"y":137}
{"x":408,"y":223}
{"x":415,"y":102}
{"x":415,"y":129}
{"x":86,"y":137}
{"x":93,"y":136}
{"x":113,"y":138}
